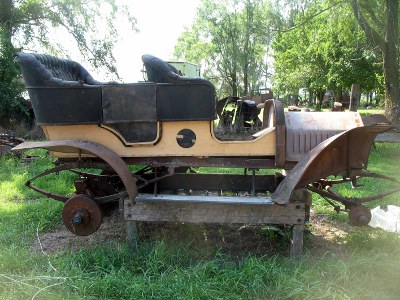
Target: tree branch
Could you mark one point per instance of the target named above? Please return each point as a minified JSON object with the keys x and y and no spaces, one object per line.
{"x":309,"y":18}
{"x":371,"y":34}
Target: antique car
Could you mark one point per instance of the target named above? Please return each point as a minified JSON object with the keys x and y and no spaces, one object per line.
{"x":165,"y":128}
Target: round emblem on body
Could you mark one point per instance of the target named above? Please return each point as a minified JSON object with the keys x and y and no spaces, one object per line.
{"x":186,"y":138}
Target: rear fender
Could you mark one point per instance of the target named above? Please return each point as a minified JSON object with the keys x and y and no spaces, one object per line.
{"x":344,"y":154}
{"x":86,"y":147}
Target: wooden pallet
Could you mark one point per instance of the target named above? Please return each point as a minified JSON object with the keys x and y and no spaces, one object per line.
{"x":215,"y":209}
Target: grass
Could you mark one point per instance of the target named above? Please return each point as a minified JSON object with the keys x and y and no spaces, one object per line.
{"x":176,"y":266}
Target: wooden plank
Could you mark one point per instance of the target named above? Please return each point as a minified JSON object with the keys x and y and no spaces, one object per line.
{"x":132,"y":234}
{"x":293,"y":213}
{"x":201,"y":199}
{"x":296,"y":241}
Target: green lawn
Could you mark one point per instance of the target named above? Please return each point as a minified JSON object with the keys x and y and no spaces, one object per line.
{"x":363,"y":263}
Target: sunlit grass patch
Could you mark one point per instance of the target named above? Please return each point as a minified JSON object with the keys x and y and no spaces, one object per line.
{"x":372,"y":111}
{"x":13,"y":188}
{"x":15,"y":174}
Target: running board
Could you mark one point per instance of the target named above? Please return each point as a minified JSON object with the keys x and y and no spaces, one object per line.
{"x":201,"y":199}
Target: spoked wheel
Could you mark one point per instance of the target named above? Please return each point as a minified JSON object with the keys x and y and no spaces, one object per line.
{"x":82,"y":215}
{"x":360,"y":215}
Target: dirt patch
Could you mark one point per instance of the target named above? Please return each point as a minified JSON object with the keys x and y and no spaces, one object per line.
{"x":323,"y":235}
{"x":112,"y":228}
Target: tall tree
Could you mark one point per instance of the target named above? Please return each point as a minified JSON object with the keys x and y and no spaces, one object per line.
{"x":380,"y":22}
{"x":31,"y":24}
{"x":12,"y":108}
{"x":230,"y":37}
{"x":319,"y":51}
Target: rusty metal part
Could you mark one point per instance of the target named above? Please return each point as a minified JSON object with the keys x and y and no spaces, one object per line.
{"x":324,"y":188}
{"x":86,"y":147}
{"x":360,"y":215}
{"x":102,"y":199}
{"x":157,"y":178}
{"x":7,"y":142}
{"x":341,"y":154}
{"x":96,"y":185}
{"x":331,"y":194}
{"x":213,"y":182}
{"x":265,"y":162}
{"x":363,"y":174}
{"x":221,"y":162}
{"x":378,"y":176}
{"x":10,"y":139}
{"x":274,"y":116}
{"x":81,"y":215}
{"x":56,"y":169}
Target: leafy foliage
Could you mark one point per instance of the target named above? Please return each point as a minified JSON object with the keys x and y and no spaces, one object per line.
{"x":33,"y":25}
{"x":380,"y":23}
{"x":230,"y":37}
{"x":12,"y":106}
{"x":320,"y":51}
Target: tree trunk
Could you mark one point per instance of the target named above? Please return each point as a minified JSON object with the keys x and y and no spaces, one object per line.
{"x":387,"y":40}
{"x":355,"y":97}
{"x":339,"y":95}
{"x":310,"y":98}
{"x":246,"y":79}
{"x":320,"y":97}
{"x":234,"y":85}
{"x":391,"y":62}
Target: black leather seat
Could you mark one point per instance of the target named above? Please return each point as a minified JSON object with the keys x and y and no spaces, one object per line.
{"x":179,"y":98}
{"x":250,"y":111}
{"x":61,"y":91}
{"x":41,"y":70}
{"x":159,"y":71}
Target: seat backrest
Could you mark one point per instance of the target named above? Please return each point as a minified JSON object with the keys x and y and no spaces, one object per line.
{"x":159,"y":71}
{"x":45,"y":70}
{"x":179,"y":98}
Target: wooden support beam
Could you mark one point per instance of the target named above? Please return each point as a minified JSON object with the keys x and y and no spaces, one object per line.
{"x":132,"y":234}
{"x":224,"y":211}
{"x":216,"y":209}
{"x":296,"y":241}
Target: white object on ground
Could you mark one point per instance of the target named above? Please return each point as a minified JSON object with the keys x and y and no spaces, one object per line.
{"x":388,"y":220}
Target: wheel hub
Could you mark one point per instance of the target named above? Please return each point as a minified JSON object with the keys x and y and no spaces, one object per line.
{"x":81,"y":215}
{"x":360,"y":215}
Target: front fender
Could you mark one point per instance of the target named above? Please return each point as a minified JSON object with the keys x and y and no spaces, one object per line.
{"x":344,"y":154}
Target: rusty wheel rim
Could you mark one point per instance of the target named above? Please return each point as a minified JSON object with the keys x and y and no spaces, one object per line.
{"x":81,"y":215}
{"x":360,"y":215}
